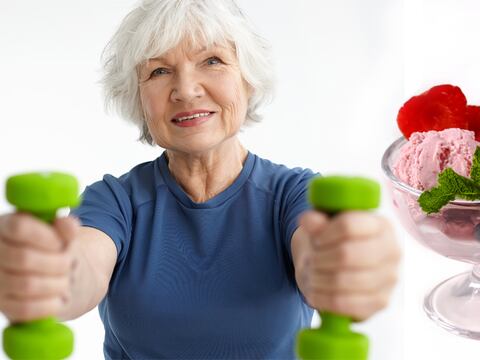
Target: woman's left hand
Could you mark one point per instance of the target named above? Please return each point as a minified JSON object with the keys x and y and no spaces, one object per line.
{"x":347,"y":264}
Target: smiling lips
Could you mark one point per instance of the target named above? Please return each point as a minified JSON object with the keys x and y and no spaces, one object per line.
{"x":190,"y":113}
{"x":192,"y":118}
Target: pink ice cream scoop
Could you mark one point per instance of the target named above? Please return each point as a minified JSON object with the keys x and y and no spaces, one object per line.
{"x":428,"y":153}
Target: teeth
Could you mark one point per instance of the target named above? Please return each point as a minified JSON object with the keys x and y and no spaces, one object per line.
{"x":192,"y":117}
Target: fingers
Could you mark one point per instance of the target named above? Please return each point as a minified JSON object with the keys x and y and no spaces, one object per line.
{"x":358,"y":306}
{"x":353,"y":240}
{"x":18,"y":310}
{"x":25,"y":230}
{"x":36,"y":261}
{"x":352,"y":281}
{"x":26,"y":260}
{"x":354,"y":255}
{"x":351,"y":268}
{"x":24,"y":287}
{"x":357,"y":294}
{"x":349,"y":225}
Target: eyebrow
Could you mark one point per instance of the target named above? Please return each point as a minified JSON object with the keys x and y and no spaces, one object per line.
{"x":203,"y":49}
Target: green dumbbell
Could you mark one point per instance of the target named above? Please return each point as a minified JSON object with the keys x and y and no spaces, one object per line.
{"x":40,"y":194}
{"x":334,"y":340}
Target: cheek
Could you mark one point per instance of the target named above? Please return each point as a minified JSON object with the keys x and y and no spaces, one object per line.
{"x":152,"y":104}
{"x":232,"y":97}
{"x":146,"y":101}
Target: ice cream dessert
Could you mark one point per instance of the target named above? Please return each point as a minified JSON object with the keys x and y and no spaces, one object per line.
{"x":427,"y":154}
{"x":433,"y":178}
{"x":439,"y":158}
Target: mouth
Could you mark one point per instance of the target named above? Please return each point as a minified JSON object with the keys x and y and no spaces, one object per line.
{"x":193,"y":120}
{"x":183,"y":119}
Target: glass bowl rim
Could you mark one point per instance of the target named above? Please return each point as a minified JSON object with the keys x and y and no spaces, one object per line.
{"x":396,"y":145}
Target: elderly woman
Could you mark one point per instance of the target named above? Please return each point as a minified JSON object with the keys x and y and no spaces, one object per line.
{"x":208,"y":251}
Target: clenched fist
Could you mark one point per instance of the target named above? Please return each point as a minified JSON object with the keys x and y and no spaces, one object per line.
{"x":36,"y":266}
{"x":346,"y":264}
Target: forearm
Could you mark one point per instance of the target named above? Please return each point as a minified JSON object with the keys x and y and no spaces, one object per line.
{"x":301,"y":247}
{"x":88,"y":287}
{"x":95,"y":257}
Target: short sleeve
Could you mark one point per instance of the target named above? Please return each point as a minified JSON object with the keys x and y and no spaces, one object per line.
{"x":296,"y":203}
{"x":106,"y":206}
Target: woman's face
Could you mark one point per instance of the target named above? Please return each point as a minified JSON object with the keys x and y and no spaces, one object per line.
{"x":189,"y":81}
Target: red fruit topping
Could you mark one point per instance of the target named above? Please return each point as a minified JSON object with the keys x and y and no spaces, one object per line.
{"x":473,"y":118}
{"x":439,"y":108}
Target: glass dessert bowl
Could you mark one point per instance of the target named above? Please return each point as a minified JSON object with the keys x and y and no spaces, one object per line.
{"x":453,"y":232}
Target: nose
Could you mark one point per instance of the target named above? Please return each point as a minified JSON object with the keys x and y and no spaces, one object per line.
{"x":186,"y":87}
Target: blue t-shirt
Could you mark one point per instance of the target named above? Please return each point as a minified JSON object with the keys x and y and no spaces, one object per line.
{"x":211,"y":280}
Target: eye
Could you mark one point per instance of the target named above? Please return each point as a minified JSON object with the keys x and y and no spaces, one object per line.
{"x":159,"y":71}
{"x":214,"y":60}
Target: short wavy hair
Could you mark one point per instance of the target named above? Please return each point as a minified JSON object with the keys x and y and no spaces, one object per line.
{"x":156,"y":26}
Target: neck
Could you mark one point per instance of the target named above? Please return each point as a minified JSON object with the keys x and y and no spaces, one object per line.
{"x":204,"y":175}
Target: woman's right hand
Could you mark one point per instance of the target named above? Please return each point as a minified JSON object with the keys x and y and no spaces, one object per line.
{"x":36,"y":265}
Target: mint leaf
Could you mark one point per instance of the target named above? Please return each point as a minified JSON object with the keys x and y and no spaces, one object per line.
{"x":475,"y":170}
{"x":433,"y":200}
{"x":450,"y":187}
{"x":463,"y":187}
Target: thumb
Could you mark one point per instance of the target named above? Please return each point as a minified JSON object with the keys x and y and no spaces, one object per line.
{"x":67,"y":228}
{"x":313,"y":222}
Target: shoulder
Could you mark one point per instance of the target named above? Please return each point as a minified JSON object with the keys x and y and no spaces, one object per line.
{"x":138,"y":184}
{"x":278,"y":178}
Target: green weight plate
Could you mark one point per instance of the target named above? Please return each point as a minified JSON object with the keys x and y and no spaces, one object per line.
{"x":38,"y":340}
{"x":42,"y":192}
{"x":338,"y":193}
{"x":323,"y":345}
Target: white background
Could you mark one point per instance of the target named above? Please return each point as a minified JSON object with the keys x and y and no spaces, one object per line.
{"x":344,"y":68}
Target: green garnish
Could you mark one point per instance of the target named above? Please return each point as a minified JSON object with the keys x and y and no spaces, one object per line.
{"x":475,"y":170}
{"x":452,"y":186}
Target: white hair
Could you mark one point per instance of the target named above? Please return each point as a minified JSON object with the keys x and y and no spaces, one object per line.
{"x":156,"y":26}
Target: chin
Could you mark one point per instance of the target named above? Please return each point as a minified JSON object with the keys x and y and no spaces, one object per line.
{"x":198,"y":146}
